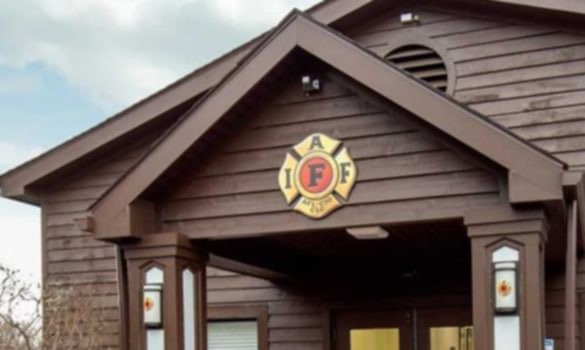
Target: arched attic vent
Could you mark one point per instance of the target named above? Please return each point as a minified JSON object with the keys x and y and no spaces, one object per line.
{"x":423,"y":63}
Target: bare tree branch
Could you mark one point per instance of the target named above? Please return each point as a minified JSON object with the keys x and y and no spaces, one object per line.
{"x":64,"y":316}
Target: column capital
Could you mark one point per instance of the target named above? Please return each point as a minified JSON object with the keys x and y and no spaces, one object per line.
{"x":165,"y":245}
{"x":506,"y":221}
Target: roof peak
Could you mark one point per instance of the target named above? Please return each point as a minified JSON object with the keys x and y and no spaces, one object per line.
{"x":533,"y":176}
{"x":187,"y":89}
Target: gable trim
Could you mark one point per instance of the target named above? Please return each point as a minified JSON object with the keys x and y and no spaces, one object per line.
{"x":189,"y":88}
{"x":570,"y":6}
{"x":544,"y":173}
{"x":14,"y":182}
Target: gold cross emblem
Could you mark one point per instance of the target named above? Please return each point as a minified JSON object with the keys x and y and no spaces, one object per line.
{"x":317,"y":176}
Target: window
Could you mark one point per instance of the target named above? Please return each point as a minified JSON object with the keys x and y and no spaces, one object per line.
{"x":237,"y":328}
{"x":423,"y":63}
{"x":232,"y":335}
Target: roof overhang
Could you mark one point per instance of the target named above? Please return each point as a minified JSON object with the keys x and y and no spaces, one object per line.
{"x":15,"y":182}
{"x":569,"y":6}
{"x":533,"y":175}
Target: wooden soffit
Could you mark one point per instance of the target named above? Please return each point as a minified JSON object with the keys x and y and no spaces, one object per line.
{"x":533,"y":175}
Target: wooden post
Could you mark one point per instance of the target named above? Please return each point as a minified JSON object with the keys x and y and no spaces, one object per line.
{"x":571,"y":280}
{"x":173,"y":263}
{"x":519,"y":236}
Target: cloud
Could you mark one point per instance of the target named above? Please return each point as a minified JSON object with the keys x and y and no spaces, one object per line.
{"x":255,"y":12}
{"x":120,"y":51}
{"x":20,"y":243}
{"x":12,"y":154}
{"x":18,"y":84}
{"x":20,"y":224}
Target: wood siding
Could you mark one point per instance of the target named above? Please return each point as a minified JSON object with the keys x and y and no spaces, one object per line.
{"x":555,"y":305}
{"x":527,"y":78}
{"x":295,"y":322}
{"x":73,"y":257}
{"x":302,"y":320}
{"x":401,"y":168}
{"x":404,"y":171}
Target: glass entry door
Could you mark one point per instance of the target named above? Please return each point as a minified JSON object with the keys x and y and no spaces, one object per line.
{"x":374,"y":330}
{"x":414,"y":329}
{"x":444,"y":329}
{"x":451,"y":338}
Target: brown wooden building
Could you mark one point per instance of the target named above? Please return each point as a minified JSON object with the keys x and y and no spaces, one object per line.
{"x":368,"y":175}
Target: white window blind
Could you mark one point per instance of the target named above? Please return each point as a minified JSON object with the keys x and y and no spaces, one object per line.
{"x":239,"y":335}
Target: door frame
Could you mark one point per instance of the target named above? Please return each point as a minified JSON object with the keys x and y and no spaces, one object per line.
{"x":410,"y":303}
{"x":441,"y":316}
{"x":346,"y":320}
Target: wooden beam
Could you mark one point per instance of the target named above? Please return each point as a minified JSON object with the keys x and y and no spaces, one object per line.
{"x":244,"y":269}
{"x":571,"y":279}
{"x":123,"y":312}
{"x":84,"y":224}
{"x":580,"y":196}
{"x":582,"y":317}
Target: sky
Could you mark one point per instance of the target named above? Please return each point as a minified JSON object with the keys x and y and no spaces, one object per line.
{"x":66,"y":65}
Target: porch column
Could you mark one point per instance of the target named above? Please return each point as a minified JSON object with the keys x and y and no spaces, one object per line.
{"x":507,"y":237}
{"x":166,"y":266}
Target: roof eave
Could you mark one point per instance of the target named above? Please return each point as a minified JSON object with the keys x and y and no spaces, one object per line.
{"x":195,"y":84}
{"x":567,"y":6}
{"x":527,"y":163}
{"x":15,"y":181}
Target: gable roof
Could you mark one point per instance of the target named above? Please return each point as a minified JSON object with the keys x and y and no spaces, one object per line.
{"x":188,"y":89}
{"x":533,"y":175}
{"x":14,"y":182}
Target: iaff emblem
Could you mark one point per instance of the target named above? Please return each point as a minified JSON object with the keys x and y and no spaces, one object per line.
{"x":319,"y":172}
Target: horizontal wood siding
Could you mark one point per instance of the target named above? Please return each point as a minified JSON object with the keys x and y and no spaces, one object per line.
{"x":294,"y":322}
{"x":301,"y":320}
{"x":555,"y":306}
{"x":403,"y":171}
{"x":74,"y":258}
{"x":528,"y":78}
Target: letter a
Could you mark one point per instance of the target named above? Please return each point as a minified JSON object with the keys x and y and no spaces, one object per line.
{"x":316,"y":142}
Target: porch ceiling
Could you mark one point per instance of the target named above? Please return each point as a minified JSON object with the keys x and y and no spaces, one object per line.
{"x":334,"y":255}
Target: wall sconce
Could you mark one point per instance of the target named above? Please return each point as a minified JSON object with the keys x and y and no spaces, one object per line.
{"x":152,"y":305}
{"x":409,"y":18}
{"x":506,"y":288}
{"x":311,"y":85}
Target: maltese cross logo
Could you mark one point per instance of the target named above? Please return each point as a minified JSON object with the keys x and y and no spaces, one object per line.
{"x":317,"y":176}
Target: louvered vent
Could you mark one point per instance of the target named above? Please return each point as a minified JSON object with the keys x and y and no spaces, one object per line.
{"x":239,"y":335}
{"x":423,"y":63}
